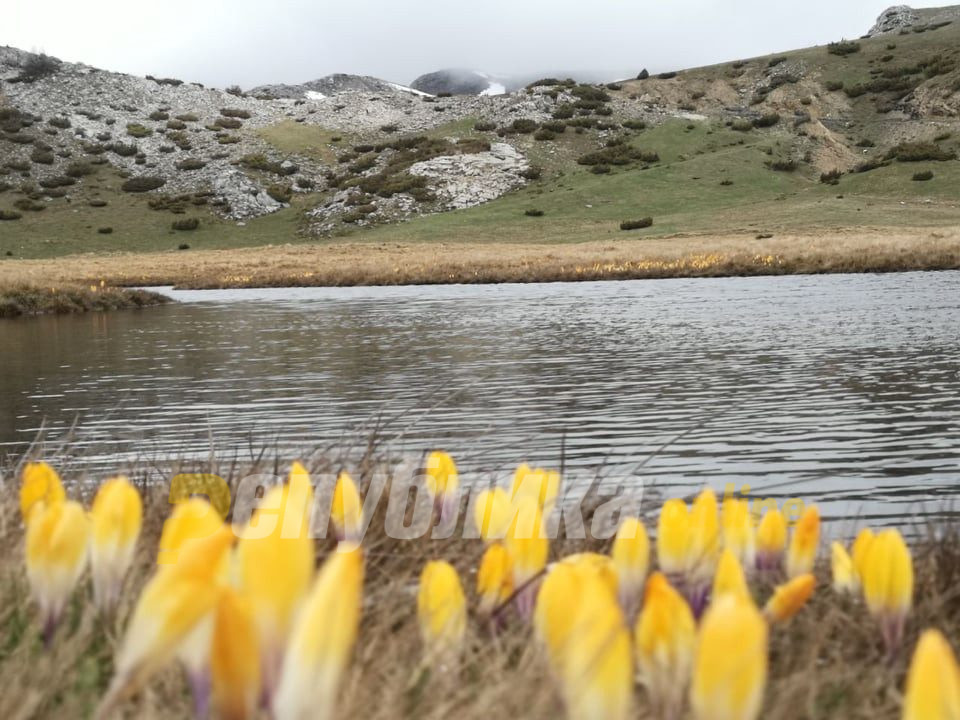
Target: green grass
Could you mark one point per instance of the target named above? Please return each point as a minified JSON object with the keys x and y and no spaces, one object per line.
{"x":303,"y":139}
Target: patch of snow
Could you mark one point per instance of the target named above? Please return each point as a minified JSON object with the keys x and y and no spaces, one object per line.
{"x":495,"y":88}
{"x":314,"y":95}
{"x":404,"y":88}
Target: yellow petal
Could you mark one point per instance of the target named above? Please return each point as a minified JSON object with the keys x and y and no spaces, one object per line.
{"x":665,"y":635}
{"x":888,"y":575}
{"x":771,"y":539}
{"x":631,"y":558}
{"x":116,"y":518}
{"x":528,"y":549}
{"x":191,"y":520}
{"x":39,"y":483}
{"x":704,"y":548}
{"x":739,"y":534}
{"x":494,"y":579}
{"x":803,"y":544}
{"x":441,"y":609}
{"x":543,"y":485}
{"x":858,"y":553}
{"x":730,"y":669}
{"x":492,"y":513}
{"x":235,"y":658}
{"x":56,"y":553}
{"x":789,"y":598}
{"x":322,"y":639}
{"x":347,"y":510}
{"x":841,"y":564}
{"x":673,"y":537}
{"x":178,"y":598}
{"x":933,"y":682}
{"x":730,"y":578}
{"x":440,"y":474}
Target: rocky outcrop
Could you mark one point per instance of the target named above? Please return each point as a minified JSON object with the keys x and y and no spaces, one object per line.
{"x":462,"y":181}
{"x":894,"y":19}
{"x":325,"y":87}
{"x":455,"y":82}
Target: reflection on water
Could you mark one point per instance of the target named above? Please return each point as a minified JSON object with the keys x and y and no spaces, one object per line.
{"x":840,"y":389}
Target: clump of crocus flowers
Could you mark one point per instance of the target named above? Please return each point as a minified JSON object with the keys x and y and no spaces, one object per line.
{"x":262,"y":629}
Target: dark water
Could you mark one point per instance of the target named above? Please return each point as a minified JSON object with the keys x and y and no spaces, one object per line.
{"x":840,"y":389}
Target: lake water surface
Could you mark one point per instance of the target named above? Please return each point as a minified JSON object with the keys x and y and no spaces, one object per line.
{"x":841,"y":389}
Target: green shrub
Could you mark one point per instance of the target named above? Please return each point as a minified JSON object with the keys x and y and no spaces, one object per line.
{"x":227,"y":123}
{"x":364,"y":163}
{"x":37,"y":67}
{"x":42,"y":156}
{"x":523,"y":125}
{"x":667,"y":75}
{"x":227,"y":139}
{"x":563,"y":111}
{"x":544,"y":135}
{"x":636,"y":224}
{"x":57,"y":181}
{"x":389,"y":128}
{"x":143,"y":183}
{"x":942,"y":137}
{"x":259,"y":161}
{"x":10,"y":215}
{"x":29,"y":205}
{"x":782,"y":165}
{"x":865,"y":143}
{"x":726,"y":183}
{"x":280,"y":192}
{"x":831,"y":178}
{"x":360,"y":149}
{"x":18,"y":165}
{"x":617,"y":155}
{"x":919,"y":151}
{"x":235,"y":113}
{"x":180,"y":139}
{"x":20,"y":138}
{"x":843,"y":48}
{"x":59,"y":122}
{"x":176,"y":125}
{"x":185,"y":224}
{"x":531,"y":173}
{"x":635,"y":124}
{"x":105,"y":230}
{"x":484,"y":126}
{"x":779,"y":60}
{"x":304,"y":183}
{"x":191,"y":164}
{"x":533,"y":212}
{"x":600,"y":169}
{"x":159,"y":115}
{"x":387,"y":184}
{"x":741,"y":125}
{"x":589,"y":93}
{"x":187,"y":117}
{"x":97,"y":203}
{"x":138,"y":131}
{"x":868,"y":165}
{"x":767,"y":120}
{"x":923,"y":176}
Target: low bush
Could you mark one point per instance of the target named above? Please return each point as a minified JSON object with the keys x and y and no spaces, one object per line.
{"x":37,"y":67}
{"x":187,"y":117}
{"x":158,"y":115}
{"x":865,"y":143}
{"x":564,"y":111}
{"x":833,"y":85}
{"x":183,"y":246}
{"x":942,"y":137}
{"x":185,"y":224}
{"x":643,"y":74}
{"x":544,"y":135}
{"x":227,"y":139}
{"x":667,"y":76}
{"x":868,"y":165}
{"x":741,"y":125}
{"x":590,"y":93}
{"x":533,"y":212}
{"x":29,"y":205}
{"x":635,"y":124}
{"x":484,"y":126}
{"x":600,"y":169}
{"x":105,"y":230}
{"x":831,"y":178}
{"x":227,"y":123}
{"x":143,"y":183}
{"x":176,"y":125}
{"x":280,"y":192}
{"x":57,"y":181}
{"x":235,"y":113}
{"x":636,"y":224}
{"x":304,"y":183}
{"x":191,"y":164}
{"x":97,"y":203}
{"x":360,"y":149}
{"x":42,"y":156}
{"x":10,"y":215}
{"x":919,"y":151}
{"x":59,"y":122}
{"x":523,"y":125}
{"x":531,"y":173}
{"x":138,"y":131}
{"x":389,"y":128}
{"x":618,"y":155}
{"x":180,"y":139}
{"x":782,"y":165}
{"x":555,"y":126}
{"x":173,"y":82}
{"x":767,"y":120}
{"x":774,"y":61}
{"x":726,"y":183}
{"x":923,"y":176}
{"x":843,"y":48}
{"x":259,"y":161}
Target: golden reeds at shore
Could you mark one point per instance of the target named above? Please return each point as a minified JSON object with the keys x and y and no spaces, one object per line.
{"x":719,"y":617}
{"x":336,"y":263}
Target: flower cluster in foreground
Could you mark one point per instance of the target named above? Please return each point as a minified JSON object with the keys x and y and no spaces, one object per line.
{"x":261,"y":631}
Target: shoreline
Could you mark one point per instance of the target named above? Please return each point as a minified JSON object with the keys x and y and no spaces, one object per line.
{"x":31,"y":300}
{"x":338,"y":263}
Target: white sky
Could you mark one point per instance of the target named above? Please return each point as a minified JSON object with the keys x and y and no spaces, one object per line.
{"x":250,"y":42}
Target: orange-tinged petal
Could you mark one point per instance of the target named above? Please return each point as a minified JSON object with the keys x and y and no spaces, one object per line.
{"x":933,"y":682}
{"x":322,"y":639}
{"x":771,"y":539}
{"x":116,"y":518}
{"x":803,"y":544}
{"x":788,"y":598}
{"x":441,"y":610}
{"x":235,"y":658}
{"x":39,"y":483}
{"x":730,"y":669}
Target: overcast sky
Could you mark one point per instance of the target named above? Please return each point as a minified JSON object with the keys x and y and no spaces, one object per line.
{"x":251,"y":42}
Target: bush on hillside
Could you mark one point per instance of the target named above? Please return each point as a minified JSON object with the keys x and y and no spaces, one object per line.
{"x":767,"y":120}
{"x":37,"y":67}
{"x":280,"y":192}
{"x":158,"y":115}
{"x":533,"y":212}
{"x":10,"y":215}
{"x":227,"y":123}
{"x":138,"y":131}
{"x":235,"y":113}
{"x":833,"y":85}
{"x":185,"y":224}
{"x":643,"y":75}
{"x":774,"y":61}
{"x":923,"y":176}
{"x":191,"y":164}
{"x":636,"y":224}
{"x":59,"y":122}
{"x":484,"y":126}
{"x":831,"y":178}
{"x":143,"y":183}
{"x":843,"y":48}
{"x":919,"y":151}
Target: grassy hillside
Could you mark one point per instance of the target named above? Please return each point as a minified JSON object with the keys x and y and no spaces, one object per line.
{"x":841,"y":135}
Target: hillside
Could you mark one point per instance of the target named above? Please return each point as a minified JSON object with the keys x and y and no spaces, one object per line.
{"x":835,"y":136}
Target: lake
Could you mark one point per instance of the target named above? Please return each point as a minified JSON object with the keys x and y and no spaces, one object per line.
{"x":839,"y":389}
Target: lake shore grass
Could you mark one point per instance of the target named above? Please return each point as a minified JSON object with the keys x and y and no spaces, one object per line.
{"x":339,"y":263}
{"x":22,"y":299}
{"x":827,"y":662}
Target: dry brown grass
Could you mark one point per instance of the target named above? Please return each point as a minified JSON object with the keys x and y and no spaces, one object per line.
{"x":826,"y":663}
{"x":22,"y":299}
{"x":338,"y":263}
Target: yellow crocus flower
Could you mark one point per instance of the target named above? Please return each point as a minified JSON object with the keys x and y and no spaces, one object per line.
{"x":116,"y":518}
{"x":888,"y":585}
{"x":933,"y":682}
{"x":788,"y":598}
{"x":841,"y":565}
{"x":492,"y":513}
{"x":347,"y":509}
{"x":441,"y":610}
{"x":673,"y":538}
{"x":631,"y":558}
{"x":39,"y":483}
{"x":730,"y":578}
{"x":803,"y":543}
{"x":235,"y":658}
{"x":771,"y":540}
{"x":494,"y":579}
